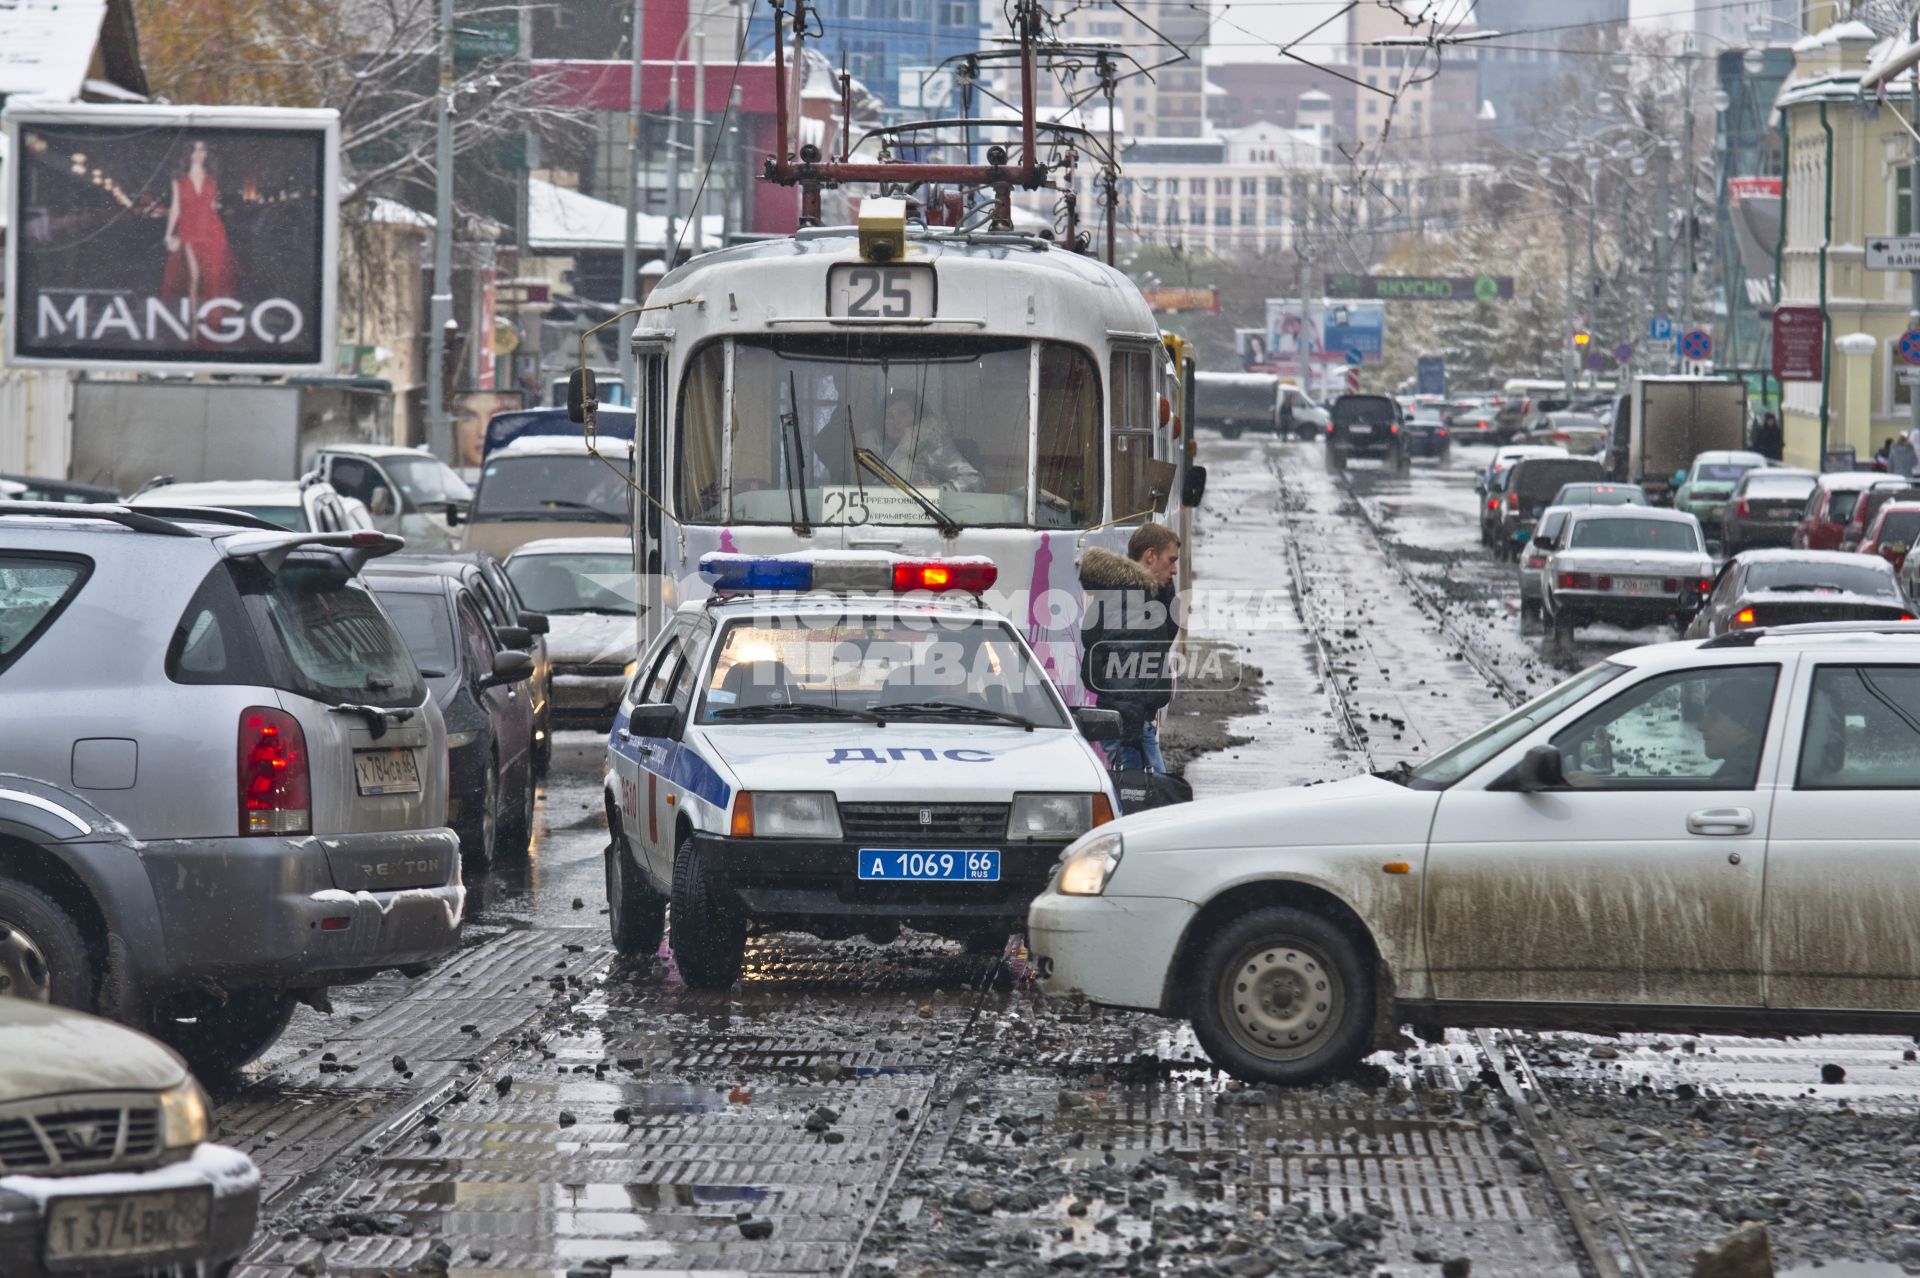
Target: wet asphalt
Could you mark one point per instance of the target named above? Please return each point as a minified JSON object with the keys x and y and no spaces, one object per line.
{"x":536,"y":1106}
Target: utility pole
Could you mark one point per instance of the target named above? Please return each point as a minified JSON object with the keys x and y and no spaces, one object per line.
{"x":1567,"y":370}
{"x":1593,"y":274}
{"x":1306,"y":311}
{"x":701,"y":183}
{"x":1687,"y":185}
{"x":630,"y":252}
{"x":1661,"y":230}
{"x":1913,"y":201}
{"x":440,"y":310}
{"x":673,"y":161}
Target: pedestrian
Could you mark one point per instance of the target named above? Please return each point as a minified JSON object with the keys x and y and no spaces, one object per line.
{"x":1766,"y":437}
{"x":1901,"y":458}
{"x":1127,"y":636}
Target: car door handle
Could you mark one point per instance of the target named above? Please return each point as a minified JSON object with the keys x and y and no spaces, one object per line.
{"x":1720,"y":821}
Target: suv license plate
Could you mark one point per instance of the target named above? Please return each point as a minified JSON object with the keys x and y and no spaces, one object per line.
{"x":153,"y":1224}
{"x":386,"y":771}
{"x":929,"y":866}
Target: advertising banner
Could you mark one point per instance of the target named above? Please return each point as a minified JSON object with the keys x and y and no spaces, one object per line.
{"x":1799,"y":343}
{"x":1753,"y":207}
{"x":1354,"y":326}
{"x":1173,"y":299}
{"x":179,"y":239}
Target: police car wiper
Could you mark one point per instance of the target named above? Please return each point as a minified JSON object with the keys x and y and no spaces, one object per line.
{"x":797,"y":709}
{"x":948,"y":526}
{"x":964,"y":711}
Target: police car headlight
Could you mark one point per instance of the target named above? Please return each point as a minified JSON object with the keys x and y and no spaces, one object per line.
{"x":772,"y":814}
{"x":1089,"y":865}
{"x":1056,"y":816}
{"x":183,"y":1116}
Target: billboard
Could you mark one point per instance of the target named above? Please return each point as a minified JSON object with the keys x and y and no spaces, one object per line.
{"x":1354,"y":326}
{"x":172,"y":239}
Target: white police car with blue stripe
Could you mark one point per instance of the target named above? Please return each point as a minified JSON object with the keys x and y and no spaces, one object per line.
{"x":841,"y":744}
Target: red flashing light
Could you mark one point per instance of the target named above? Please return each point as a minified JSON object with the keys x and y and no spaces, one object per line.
{"x":1906,"y":616}
{"x":970,"y":578}
{"x":273,"y":790}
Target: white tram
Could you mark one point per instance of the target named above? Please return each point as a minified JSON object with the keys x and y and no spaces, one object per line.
{"x":922,"y":391}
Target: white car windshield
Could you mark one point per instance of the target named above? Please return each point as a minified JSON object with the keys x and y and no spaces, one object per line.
{"x":1447,"y":767}
{"x":923,"y":666}
{"x":1634,"y":534}
{"x":574,"y":583}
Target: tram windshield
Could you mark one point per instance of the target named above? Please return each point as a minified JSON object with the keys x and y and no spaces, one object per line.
{"x":955,"y":417}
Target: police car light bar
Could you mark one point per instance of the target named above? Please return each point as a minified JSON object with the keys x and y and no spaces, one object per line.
{"x":841,"y":572}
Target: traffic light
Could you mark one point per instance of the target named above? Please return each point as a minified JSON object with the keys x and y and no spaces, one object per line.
{"x":1581,"y":339}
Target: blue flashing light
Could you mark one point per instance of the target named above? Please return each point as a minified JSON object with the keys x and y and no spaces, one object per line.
{"x":753,"y":572}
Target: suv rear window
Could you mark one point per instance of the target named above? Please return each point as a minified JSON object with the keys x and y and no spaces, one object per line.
{"x":1540,"y":478}
{"x":33,"y":589}
{"x":325,"y":636}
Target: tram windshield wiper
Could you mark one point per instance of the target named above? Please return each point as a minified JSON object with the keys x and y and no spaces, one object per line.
{"x":948,"y":525}
{"x":958,"y":710}
{"x":796,"y":462}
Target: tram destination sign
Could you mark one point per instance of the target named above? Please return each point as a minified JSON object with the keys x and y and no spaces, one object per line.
{"x":1422,"y":288}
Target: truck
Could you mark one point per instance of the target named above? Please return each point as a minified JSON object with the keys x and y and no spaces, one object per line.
{"x":1664,"y":422}
{"x":1234,"y":402}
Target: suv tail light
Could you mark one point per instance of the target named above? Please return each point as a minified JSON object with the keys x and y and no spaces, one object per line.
{"x":274,"y":795}
{"x":1513,"y":501}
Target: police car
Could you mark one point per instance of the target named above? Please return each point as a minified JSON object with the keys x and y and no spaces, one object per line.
{"x":841,"y":744}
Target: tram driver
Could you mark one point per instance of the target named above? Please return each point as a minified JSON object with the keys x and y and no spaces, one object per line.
{"x":920,"y":448}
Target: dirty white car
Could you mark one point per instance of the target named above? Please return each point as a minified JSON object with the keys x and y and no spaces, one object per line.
{"x":584,"y":587}
{"x":1689,"y":837}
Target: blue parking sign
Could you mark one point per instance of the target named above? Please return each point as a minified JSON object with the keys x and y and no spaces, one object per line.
{"x":1660,"y":328}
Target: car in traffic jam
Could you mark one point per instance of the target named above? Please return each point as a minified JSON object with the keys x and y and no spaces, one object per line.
{"x":876,"y":683}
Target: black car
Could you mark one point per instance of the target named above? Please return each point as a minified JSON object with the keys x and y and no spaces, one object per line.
{"x":1786,"y":587}
{"x":1765,"y":507}
{"x":1427,"y":436}
{"x":476,"y":681}
{"x":516,"y":625}
{"x":1366,"y":426}
{"x":1528,"y":487}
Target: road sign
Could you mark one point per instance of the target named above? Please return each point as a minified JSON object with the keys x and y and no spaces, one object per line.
{"x":1431,"y":374}
{"x":1660,"y":328}
{"x":1596,"y":361}
{"x":1696,"y":344}
{"x":1799,"y":343}
{"x":1910,"y":346}
{"x":1623,"y":352}
{"x":1355,"y":356}
{"x":1421,"y":288}
{"x":1909,"y":376}
{"x":1893,"y":253}
{"x":479,"y":41}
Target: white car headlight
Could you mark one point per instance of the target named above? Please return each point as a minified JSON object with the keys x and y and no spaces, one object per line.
{"x":1088,"y":866}
{"x":183,"y":1116}
{"x":1056,"y":816}
{"x":774,"y":814}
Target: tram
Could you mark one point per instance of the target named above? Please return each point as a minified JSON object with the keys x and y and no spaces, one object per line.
{"x":898,"y":386}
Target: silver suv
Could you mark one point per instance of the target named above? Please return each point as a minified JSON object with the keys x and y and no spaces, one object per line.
{"x":257,"y":774}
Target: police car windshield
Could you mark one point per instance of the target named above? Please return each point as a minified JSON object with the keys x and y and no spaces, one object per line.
{"x":973,"y":665}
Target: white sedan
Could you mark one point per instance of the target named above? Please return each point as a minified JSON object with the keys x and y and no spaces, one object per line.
{"x":1689,"y":837}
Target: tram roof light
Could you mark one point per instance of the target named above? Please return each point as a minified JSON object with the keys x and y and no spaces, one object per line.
{"x":844,"y":573}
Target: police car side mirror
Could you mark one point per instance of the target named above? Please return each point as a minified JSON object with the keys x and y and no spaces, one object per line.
{"x":653,"y":721}
{"x":1096,"y":724}
{"x":1194,"y":487}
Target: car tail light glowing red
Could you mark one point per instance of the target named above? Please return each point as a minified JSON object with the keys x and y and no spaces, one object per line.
{"x":1513,"y":501}
{"x":1740,"y":508}
{"x":1703,"y":585}
{"x":1493,"y":503}
{"x":1576,"y":581}
{"x":274,"y":794}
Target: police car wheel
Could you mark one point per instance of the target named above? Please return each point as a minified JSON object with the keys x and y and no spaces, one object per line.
{"x":709,"y":933}
{"x":636,"y":915}
{"x":1281,"y":995}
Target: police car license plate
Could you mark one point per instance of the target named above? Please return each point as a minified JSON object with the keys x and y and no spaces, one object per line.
{"x":933,"y":866}
{"x":386,"y":771}
{"x":94,"y":1227}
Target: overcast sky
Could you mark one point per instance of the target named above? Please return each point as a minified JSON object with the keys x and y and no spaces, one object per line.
{"x":1279,"y":21}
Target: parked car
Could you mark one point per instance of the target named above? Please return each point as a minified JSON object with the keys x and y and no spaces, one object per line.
{"x":1625,"y":566}
{"x":1608,"y":493}
{"x":1895,"y":528}
{"x":542,"y":487}
{"x":1703,"y":490}
{"x":39,"y":488}
{"x":238,"y":777}
{"x":585,"y":587}
{"x":1823,"y":520}
{"x":1428,"y":437}
{"x":407,"y":490}
{"x":1788,"y":587}
{"x":1528,"y":488}
{"x":479,"y":684}
{"x":105,"y":1164}
{"x":1533,"y":559}
{"x":1492,"y":482}
{"x":297,"y":505}
{"x":1580,"y":434}
{"x":1365,"y":426}
{"x":1868,"y":508}
{"x":1765,"y":507}
{"x":1682,"y":838}
{"x":513,"y":623}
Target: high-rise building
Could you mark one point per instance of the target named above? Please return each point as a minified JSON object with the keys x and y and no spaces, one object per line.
{"x":1172,"y":103}
{"x":1748,"y":22}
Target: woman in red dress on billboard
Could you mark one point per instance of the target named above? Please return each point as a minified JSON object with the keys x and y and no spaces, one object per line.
{"x":199,"y":266}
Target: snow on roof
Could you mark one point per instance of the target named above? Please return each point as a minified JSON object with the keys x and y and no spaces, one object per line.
{"x":563,"y":220}
{"x":48,"y":46}
{"x":394,"y":213}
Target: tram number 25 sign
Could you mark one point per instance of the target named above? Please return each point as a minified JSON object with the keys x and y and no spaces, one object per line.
{"x":863,"y":291}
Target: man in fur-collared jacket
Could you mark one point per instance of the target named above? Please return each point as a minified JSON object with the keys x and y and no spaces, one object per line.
{"x":1127,"y":636}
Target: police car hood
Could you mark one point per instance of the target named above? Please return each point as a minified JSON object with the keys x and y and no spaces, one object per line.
{"x":904,"y":760}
